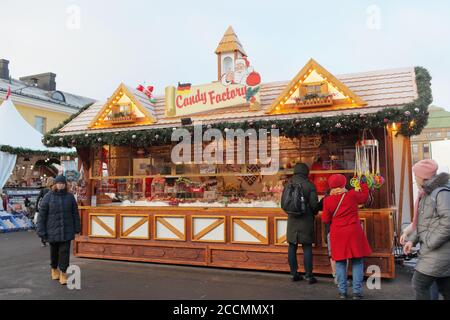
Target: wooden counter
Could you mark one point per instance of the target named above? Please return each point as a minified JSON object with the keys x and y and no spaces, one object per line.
{"x":244,"y":238}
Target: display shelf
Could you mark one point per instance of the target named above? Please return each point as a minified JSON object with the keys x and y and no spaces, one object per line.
{"x":234,"y":174}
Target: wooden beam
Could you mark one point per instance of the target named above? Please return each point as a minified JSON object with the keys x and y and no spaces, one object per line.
{"x":283,"y":239}
{"x":174,"y":230}
{"x":103,"y":225}
{"x":250,"y":230}
{"x":402,"y":185}
{"x":134,"y":226}
{"x":410,"y":180}
{"x":208,"y":229}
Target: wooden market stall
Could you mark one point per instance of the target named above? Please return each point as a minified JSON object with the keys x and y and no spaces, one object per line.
{"x":139,"y":203}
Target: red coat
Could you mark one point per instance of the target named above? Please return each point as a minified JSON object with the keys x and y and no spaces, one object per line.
{"x":347,"y":237}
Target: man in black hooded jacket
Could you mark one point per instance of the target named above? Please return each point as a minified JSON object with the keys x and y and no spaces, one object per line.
{"x":300,"y":228}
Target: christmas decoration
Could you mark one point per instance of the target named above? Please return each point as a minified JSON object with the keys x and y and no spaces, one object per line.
{"x":148,"y":92}
{"x":22,"y":152}
{"x":352,"y":122}
{"x":367,"y":163}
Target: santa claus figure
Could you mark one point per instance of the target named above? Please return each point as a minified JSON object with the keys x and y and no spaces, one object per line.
{"x":239,"y":75}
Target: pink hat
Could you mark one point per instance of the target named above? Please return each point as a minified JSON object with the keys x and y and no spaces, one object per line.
{"x":425,"y":169}
{"x":337,"y":181}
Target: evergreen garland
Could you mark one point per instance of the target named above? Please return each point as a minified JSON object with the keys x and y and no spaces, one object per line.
{"x":23,"y":152}
{"x":412,"y":118}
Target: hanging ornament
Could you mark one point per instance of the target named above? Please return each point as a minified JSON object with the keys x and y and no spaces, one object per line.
{"x":385,"y":120}
{"x":367,"y":163}
{"x":86,"y":135}
{"x":407,"y":113}
{"x":226,"y":129}
{"x":133,"y":136}
{"x":61,"y":139}
{"x":274,"y":126}
{"x":99,"y":139}
{"x":317,"y":124}
{"x":417,"y":110}
{"x":338,"y":125}
{"x":156,"y":136}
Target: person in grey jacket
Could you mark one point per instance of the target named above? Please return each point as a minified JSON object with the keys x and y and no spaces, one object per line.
{"x":431,"y":229}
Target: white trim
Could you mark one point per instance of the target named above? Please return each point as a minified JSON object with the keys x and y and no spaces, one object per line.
{"x":40,"y":104}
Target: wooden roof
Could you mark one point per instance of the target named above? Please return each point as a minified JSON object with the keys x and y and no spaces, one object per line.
{"x":379,"y":89}
{"x":230,"y":43}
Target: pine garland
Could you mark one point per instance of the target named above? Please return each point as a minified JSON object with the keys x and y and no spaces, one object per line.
{"x":23,"y":152}
{"x":412,"y":118}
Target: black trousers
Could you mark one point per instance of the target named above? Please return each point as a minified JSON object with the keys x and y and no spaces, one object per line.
{"x":60,"y":255}
{"x":422,"y":284}
{"x":307,"y":258}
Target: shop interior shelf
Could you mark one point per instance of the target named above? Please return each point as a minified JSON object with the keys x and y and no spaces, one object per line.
{"x":237,"y":174}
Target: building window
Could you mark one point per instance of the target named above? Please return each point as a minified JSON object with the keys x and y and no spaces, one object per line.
{"x":40,"y":124}
{"x":438,"y":134}
{"x":426,"y":149}
{"x":59,"y":96}
{"x":448,"y":134}
{"x":415,"y":148}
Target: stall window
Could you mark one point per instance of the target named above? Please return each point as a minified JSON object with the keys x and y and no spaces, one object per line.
{"x":40,"y":124}
{"x":415,"y":149}
{"x":426,"y":150}
{"x":314,"y":88}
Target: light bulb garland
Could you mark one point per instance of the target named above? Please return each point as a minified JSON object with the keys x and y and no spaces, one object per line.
{"x":339,"y":124}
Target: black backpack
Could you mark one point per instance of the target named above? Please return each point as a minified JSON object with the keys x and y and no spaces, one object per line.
{"x":293,"y":199}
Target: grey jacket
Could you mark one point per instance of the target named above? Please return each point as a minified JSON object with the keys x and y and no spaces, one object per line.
{"x":433,"y":229}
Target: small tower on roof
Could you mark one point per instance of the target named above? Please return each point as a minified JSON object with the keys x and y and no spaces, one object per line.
{"x":228,"y":50}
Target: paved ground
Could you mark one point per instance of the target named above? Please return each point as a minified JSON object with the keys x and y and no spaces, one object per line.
{"x":24,"y":274}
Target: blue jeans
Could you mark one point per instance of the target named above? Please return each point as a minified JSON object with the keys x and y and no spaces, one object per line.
{"x":357,"y":274}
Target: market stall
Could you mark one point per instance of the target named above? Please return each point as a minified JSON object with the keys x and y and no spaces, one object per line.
{"x":146,"y":196}
{"x":25,"y":163}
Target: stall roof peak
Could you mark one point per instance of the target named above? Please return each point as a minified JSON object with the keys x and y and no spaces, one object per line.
{"x":321,"y":76}
{"x":381,"y":89}
{"x":141,"y":109}
{"x":230,"y":42}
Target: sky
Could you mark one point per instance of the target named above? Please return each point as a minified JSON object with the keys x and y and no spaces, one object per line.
{"x":93,"y":46}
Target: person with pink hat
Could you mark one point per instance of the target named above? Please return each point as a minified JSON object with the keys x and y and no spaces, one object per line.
{"x":347,"y":238}
{"x":431,"y":229}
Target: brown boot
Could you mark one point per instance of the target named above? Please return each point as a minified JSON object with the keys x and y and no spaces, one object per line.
{"x":55,"y":274}
{"x":63,"y":278}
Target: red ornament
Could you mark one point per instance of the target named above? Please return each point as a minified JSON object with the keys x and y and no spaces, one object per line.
{"x":253,"y":79}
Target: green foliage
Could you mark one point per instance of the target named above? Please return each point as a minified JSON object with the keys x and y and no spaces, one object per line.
{"x":413,"y":118}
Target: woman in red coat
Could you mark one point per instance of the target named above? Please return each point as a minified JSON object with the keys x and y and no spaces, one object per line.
{"x":347,"y":237}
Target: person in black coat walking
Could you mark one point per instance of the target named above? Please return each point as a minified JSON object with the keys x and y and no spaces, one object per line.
{"x":300,"y":229}
{"x":58,"y":222}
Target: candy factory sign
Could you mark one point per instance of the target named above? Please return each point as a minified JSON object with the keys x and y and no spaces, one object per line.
{"x":238,"y":86}
{"x":186,"y":99}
